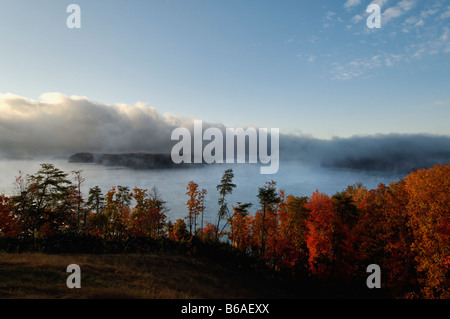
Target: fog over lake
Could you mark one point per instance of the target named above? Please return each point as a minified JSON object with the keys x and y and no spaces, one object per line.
{"x":57,"y":125}
{"x":293,"y":176}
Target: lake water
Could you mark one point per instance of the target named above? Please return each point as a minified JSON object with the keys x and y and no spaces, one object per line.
{"x":294,"y":177}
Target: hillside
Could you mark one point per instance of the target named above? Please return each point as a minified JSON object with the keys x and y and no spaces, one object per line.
{"x":37,"y":275}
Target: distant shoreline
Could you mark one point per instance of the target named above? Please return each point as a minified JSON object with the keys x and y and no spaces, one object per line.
{"x":128,"y":160}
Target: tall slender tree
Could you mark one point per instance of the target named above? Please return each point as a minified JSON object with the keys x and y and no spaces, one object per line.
{"x":225,"y":188}
{"x":79,"y":198}
{"x":268,"y":197}
{"x":201,"y":199}
{"x":193,"y":205}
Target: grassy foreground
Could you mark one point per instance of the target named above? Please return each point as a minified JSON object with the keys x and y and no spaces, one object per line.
{"x":38,"y":275}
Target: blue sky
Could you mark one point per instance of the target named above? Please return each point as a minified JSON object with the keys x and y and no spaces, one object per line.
{"x":306,"y":67}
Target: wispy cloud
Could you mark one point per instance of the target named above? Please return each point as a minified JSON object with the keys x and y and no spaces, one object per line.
{"x":381,"y":3}
{"x":421,"y":25}
{"x":446,"y":13}
{"x":363,"y":67}
{"x":397,"y":10}
{"x":443,"y":103}
{"x":437,"y":104}
{"x":431,"y":46}
{"x":357,"y":18}
{"x":351,"y":3}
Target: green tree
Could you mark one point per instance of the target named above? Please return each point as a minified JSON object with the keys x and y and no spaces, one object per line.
{"x":79,"y":198}
{"x":96,"y":200}
{"x":268,"y":198}
{"x":47,"y":202}
{"x":96,"y":204}
{"x":225,"y":188}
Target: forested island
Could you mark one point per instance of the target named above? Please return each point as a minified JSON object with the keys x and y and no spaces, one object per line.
{"x":128,"y":160}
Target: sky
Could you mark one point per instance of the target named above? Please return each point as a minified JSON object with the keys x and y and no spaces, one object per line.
{"x":310,"y":68}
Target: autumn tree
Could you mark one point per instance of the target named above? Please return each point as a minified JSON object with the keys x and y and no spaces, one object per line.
{"x":399,"y":261}
{"x":148,"y":215}
{"x":275,"y":246}
{"x":383,"y":236}
{"x":429,"y":214}
{"x":178,"y":230}
{"x":346,"y":216}
{"x":9,"y":225}
{"x":209,"y":232}
{"x":194,"y":205}
{"x":292,"y":247}
{"x":265,"y":219}
{"x":371,"y":226}
{"x":117,"y":213}
{"x":320,"y":232}
{"x":240,"y":227}
{"x":357,"y":192}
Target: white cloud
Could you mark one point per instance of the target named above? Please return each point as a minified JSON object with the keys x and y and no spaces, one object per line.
{"x":388,"y":62}
{"x":432,"y":45}
{"x":363,"y":67}
{"x":411,"y":20}
{"x":381,"y":3}
{"x":429,"y":12}
{"x":437,"y":104}
{"x":419,"y":53}
{"x":406,"y":4}
{"x":351,"y":3}
{"x":357,"y":18}
{"x":392,"y":12}
{"x":307,"y":57}
{"x":398,"y":10}
{"x":442,"y":103}
{"x":329,"y":15}
{"x":419,"y":23}
{"x":446,"y":14}
{"x":444,"y":36}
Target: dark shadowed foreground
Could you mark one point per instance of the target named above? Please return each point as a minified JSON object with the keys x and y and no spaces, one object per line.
{"x":37,"y":275}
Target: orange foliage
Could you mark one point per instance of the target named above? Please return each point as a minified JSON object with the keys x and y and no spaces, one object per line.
{"x":403,"y":227}
{"x":429,"y":214}
{"x":209,"y":232}
{"x":147,"y":220}
{"x":240,"y":230}
{"x":319,"y":239}
{"x":178,"y":230}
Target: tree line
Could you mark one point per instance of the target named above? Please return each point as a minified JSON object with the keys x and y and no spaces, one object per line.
{"x":404,"y":227}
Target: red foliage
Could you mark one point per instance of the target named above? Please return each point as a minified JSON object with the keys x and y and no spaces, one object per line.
{"x":319,"y":239}
{"x":9,"y":224}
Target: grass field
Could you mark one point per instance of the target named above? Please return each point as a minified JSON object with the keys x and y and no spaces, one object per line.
{"x":37,"y":275}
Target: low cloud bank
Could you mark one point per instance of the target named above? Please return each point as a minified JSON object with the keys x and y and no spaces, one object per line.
{"x":57,"y":124}
{"x":392,"y":152}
